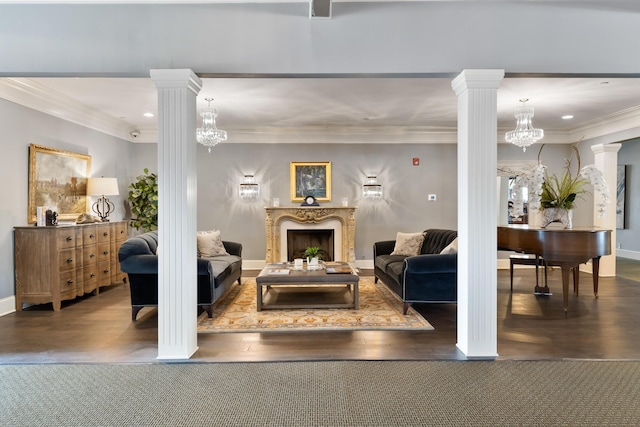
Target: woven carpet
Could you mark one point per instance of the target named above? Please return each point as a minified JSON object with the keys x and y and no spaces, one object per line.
{"x":346,"y":393}
{"x":379,"y":309}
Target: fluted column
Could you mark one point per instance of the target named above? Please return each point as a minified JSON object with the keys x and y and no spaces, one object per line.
{"x":606,"y":160}
{"x":477,"y":223}
{"x":177,"y":180}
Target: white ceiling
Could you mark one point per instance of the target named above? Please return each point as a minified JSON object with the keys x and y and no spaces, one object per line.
{"x":354,"y":109}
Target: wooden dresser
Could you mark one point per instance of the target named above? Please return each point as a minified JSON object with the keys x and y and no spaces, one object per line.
{"x":53,"y":264}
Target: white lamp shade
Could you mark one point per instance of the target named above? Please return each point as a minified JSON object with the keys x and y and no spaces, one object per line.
{"x":102,"y":187}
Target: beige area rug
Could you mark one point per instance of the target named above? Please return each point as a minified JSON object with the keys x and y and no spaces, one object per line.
{"x":379,"y":309}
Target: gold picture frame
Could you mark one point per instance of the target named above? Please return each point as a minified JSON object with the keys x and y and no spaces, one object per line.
{"x":310,"y":179}
{"x":58,"y":179}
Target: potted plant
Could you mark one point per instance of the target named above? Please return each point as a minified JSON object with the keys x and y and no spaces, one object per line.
{"x":313,"y":255}
{"x":143,"y":197}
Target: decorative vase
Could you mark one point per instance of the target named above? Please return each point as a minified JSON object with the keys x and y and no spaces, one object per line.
{"x":564,"y":216}
{"x":312,"y":261}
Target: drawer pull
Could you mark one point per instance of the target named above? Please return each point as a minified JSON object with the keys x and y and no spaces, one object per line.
{"x":70,"y":281}
{"x":106,"y":252}
{"x":92,"y":275}
{"x":92,"y":255}
{"x":91,"y":236}
{"x":105,"y":234}
{"x":106,"y":270}
{"x":69,"y":238}
{"x":69,"y":260}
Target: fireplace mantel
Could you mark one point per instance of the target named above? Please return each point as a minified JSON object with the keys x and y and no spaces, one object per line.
{"x":310,"y":215}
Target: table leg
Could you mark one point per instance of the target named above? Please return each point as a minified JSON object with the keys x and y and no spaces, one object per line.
{"x":259,"y":297}
{"x":356,"y":296}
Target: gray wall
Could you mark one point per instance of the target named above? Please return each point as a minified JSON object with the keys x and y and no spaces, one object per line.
{"x":404,"y":208}
{"x":19,"y":127}
{"x":629,"y":154}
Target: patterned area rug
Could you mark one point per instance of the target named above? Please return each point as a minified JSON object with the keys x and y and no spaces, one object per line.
{"x":379,"y":309}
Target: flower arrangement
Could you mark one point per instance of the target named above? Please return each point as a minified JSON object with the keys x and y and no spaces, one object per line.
{"x":561,"y":191}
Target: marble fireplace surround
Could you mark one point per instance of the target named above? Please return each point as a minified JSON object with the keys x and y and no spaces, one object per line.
{"x":341,"y":219}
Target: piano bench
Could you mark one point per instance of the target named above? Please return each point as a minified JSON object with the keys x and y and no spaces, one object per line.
{"x":524,"y":259}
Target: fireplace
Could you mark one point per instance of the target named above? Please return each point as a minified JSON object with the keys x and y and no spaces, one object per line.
{"x":299,"y":240}
{"x":338,"y":220}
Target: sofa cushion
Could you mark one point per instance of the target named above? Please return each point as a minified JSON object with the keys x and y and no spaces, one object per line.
{"x":210,"y":244}
{"x":396,"y":271}
{"x":382,"y":261}
{"x":408,"y":244}
{"x":452,"y":248}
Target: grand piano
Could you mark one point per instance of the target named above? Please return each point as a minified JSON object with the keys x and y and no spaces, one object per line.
{"x":566,"y":248}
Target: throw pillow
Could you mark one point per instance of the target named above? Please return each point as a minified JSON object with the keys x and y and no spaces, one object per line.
{"x":408,"y":244}
{"x":452,"y":248}
{"x":210,"y":244}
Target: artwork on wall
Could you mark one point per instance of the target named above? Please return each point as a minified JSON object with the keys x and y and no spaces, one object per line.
{"x":620,"y":196}
{"x":58,"y":179}
{"x":311,"y":179}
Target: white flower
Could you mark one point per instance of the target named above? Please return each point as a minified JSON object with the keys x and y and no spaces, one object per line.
{"x":594,"y":175}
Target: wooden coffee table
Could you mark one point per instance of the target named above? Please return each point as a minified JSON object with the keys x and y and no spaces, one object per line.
{"x":333,"y":286}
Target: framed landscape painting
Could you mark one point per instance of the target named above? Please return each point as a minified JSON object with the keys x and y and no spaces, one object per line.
{"x":311,"y":179}
{"x":58,"y":179}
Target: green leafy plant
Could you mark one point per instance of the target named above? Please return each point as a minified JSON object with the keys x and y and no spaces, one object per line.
{"x":312,"y":251}
{"x":143,"y":197}
{"x":560,"y":191}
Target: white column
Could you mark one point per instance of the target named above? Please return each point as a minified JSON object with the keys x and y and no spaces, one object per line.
{"x":177,"y":268}
{"x":477,"y":224}
{"x":606,"y":160}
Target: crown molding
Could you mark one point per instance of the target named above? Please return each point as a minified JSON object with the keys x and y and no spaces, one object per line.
{"x":621,"y":121}
{"x":31,"y":94}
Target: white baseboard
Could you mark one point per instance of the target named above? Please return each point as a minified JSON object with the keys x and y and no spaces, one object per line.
{"x":7,"y":305}
{"x":623,"y":253}
{"x":366,"y":264}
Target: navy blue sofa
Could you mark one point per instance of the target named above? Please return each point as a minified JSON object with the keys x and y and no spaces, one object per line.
{"x":430,"y":277}
{"x":138,"y":259}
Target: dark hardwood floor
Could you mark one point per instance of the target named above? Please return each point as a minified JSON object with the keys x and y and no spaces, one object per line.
{"x":98,"y":329}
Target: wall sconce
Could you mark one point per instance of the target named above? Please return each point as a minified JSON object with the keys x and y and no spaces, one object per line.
{"x":102,"y":187}
{"x":249,"y":188}
{"x":372,"y":189}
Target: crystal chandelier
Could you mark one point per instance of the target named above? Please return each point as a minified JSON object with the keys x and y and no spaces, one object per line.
{"x":209,"y":135}
{"x":525,"y":134}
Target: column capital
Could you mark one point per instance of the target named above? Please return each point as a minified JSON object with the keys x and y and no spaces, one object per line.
{"x":477,"y":79}
{"x":605,"y":148}
{"x":176,"y":79}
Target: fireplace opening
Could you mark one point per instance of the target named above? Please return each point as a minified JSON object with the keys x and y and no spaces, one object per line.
{"x":299,"y":240}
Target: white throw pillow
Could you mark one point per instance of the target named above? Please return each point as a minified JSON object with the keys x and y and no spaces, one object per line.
{"x":452,"y":248}
{"x":210,"y":244}
{"x":408,"y":244}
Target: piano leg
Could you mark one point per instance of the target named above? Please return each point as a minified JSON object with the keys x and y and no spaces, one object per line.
{"x":565,"y":286}
{"x":595,"y":264}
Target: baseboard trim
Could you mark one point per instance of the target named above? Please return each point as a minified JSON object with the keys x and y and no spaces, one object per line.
{"x":624,"y":253}
{"x":7,"y":305}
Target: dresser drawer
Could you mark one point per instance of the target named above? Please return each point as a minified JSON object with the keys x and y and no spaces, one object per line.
{"x":104,"y":233}
{"x":89,"y":235}
{"x":90,"y":255}
{"x":68,"y":259}
{"x":66,"y":238}
{"x":104,"y":252}
{"x":120,"y":230}
{"x":68,"y":282}
{"x":104,"y":274}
